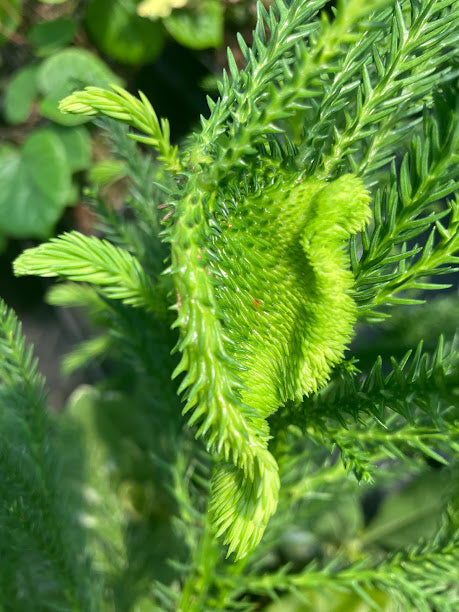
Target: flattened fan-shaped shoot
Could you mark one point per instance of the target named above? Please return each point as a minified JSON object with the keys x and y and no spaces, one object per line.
{"x":261,"y":328}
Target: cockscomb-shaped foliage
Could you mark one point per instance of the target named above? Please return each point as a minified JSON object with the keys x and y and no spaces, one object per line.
{"x":264,"y":201}
{"x":264,"y":313}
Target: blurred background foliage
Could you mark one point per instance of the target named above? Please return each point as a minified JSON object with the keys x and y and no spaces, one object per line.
{"x":168,"y":48}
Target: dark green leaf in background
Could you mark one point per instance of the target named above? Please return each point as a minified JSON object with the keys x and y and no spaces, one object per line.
{"x":66,"y":71}
{"x":36,"y":186}
{"x":49,"y":36}
{"x":120,"y":33}
{"x":77,"y":146}
{"x":199,"y":27}
{"x":20,"y":94}
{"x":341,"y":522}
{"x":10,"y":18}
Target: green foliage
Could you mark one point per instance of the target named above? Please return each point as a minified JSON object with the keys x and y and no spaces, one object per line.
{"x":398,"y":574}
{"x":49,"y":36}
{"x":121,"y":105}
{"x":46,"y":83}
{"x":62,"y":72}
{"x":87,"y":259}
{"x":42,"y":546}
{"x":198,"y":26}
{"x":54,"y":64}
{"x":41,"y":170}
{"x":20,"y":95}
{"x":125,"y":36}
{"x":134,"y":34}
{"x":37,"y":176}
{"x":76,"y":145}
{"x":420,"y":512}
{"x":10,"y":18}
{"x":320,"y":186}
{"x":403,"y":212}
{"x":226,"y":401}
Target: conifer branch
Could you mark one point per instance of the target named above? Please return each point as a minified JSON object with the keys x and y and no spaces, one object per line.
{"x":33,"y":511}
{"x":141,"y":234}
{"x":399,"y":77}
{"x":413,"y":384}
{"x":403,"y":414}
{"x":121,"y":105}
{"x":420,"y":577}
{"x":390,"y":262}
{"x":258,"y":230}
{"x":73,"y":256}
{"x":280,"y":75}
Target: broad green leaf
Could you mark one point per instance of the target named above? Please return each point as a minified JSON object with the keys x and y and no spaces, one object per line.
{"x":198,"y":27}
{"x":20,"y":94}
{"x":65,"y":71}
{"x":10,"y":18}
{"x":122,"y":34}
{"x":36,"y":186}
{"x":49,"y":107}
{"x":49,"y":36}
{"x":77,"y":146}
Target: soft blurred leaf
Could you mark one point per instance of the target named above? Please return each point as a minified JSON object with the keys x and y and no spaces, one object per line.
{"x":36,"y":186}
{"x":106,"y":172}
{"x":49,"y":36}
{"x":10,"y":18}
{"x":20,"y":94}
{"x":65,"y":71}
{"x":199,"y":27}
{"x":342,"y":522}
{"x":298,"y":545}
{"x":153,"y":9}
{"x":412,"y":513}
{"x":77,"y":146}
{"x":117,"y":29}
{"x":145,"y":604}
{"x":330,"y":601}
{"x":103,"y":517}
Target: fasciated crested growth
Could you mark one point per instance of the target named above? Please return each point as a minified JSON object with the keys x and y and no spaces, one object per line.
{"x":264,"y":312}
